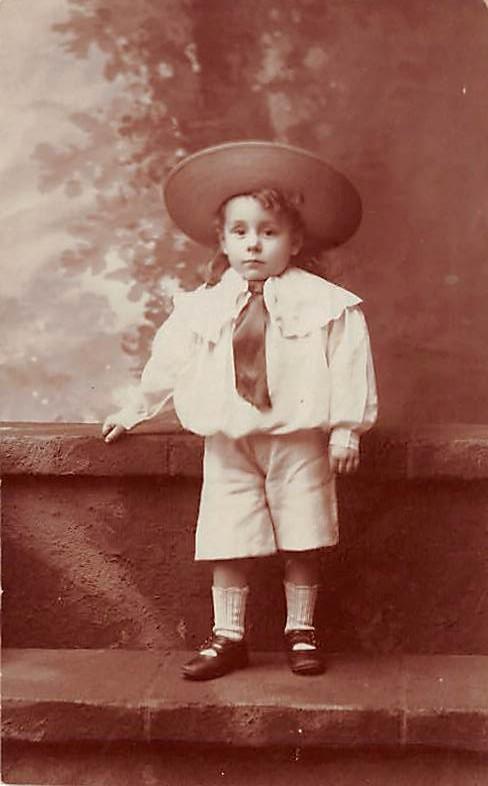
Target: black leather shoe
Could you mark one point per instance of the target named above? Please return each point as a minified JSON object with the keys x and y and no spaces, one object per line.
{"x":230,"y":655}
{"x":303,"y":662}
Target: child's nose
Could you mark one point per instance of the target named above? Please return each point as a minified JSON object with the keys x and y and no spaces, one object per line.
{"x":253,"y":243}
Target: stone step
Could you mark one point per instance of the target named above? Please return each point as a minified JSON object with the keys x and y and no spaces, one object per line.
{"x":114,"y":696}
{"x":146,"y":764}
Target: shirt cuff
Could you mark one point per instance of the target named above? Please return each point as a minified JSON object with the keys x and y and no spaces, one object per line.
{"x":128,"y":418}
{"x":344,"y":438}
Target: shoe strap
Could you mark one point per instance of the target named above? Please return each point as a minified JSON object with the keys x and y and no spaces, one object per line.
{"x":298,"y":636}
{"x":217,"y":643}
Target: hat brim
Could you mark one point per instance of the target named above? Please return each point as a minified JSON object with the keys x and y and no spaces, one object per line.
{"x":197,"y":187}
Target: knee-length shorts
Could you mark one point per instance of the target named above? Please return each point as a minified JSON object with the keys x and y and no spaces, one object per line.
{"x":265,"y":493}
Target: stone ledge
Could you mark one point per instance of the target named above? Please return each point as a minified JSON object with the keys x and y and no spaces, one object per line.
{"x":451,"y":451}
{"x":56,"y":696}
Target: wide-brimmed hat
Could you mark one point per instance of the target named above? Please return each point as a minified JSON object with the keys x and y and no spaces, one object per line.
{"x":197,"y":187}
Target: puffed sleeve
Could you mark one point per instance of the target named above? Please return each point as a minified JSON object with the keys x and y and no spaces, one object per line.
{"x":172,"y":349}
{"x":354,"y":402}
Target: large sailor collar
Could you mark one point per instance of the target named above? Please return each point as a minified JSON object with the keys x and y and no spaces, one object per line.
{"x":297,"y":301}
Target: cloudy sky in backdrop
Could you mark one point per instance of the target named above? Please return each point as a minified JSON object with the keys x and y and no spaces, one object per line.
{"x":43,"y":85}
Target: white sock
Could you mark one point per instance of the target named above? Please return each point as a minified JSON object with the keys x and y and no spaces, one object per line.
{"x":300,"y":606}
{"x":229,"y":605}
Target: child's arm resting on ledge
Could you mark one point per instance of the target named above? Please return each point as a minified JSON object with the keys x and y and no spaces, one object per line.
{"x":171,"y":350}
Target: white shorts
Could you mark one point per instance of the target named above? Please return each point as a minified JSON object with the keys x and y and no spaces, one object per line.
{"x":266,"y":493}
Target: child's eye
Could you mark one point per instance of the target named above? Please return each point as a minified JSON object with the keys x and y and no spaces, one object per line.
{"x":269,"y":232}
{"x":239,"y":231}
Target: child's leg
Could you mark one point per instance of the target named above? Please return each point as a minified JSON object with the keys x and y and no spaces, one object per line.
{"x":301,"y":586}
{"x":302,"y":567}
{"x":226,"y":649}
{"x":230,"y":573}
{"x":302,"y":572}
{"x":229,"y":594}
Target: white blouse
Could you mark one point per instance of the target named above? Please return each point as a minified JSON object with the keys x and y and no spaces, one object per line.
{"x":319,"y":364}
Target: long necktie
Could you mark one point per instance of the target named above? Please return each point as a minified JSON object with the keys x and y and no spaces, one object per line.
{"x":250,"y":350}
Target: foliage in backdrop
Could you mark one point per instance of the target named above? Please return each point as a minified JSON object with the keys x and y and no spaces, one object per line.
{"x":386,"y":90}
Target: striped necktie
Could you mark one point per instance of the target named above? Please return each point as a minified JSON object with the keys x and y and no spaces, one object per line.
{"x":250,"y":349}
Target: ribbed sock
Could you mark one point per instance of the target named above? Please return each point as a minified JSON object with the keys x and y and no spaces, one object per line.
{"x":300,"y":605}
{"x":229,"y":605}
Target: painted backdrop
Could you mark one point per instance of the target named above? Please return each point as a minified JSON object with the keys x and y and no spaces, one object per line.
{"x":101,"y":98}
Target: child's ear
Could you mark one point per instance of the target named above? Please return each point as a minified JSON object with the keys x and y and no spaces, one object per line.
{"x":222,"y":242}
{"x":297,"y":243}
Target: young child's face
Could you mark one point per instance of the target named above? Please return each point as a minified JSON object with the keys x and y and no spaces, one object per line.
{"x":258,"y":242}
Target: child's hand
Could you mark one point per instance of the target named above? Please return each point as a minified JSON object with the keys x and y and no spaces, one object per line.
{"x":112,"y":430}
{"x":343,"y":460}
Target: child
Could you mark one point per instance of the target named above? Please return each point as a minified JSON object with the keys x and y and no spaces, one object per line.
{"x":272,"y":365}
